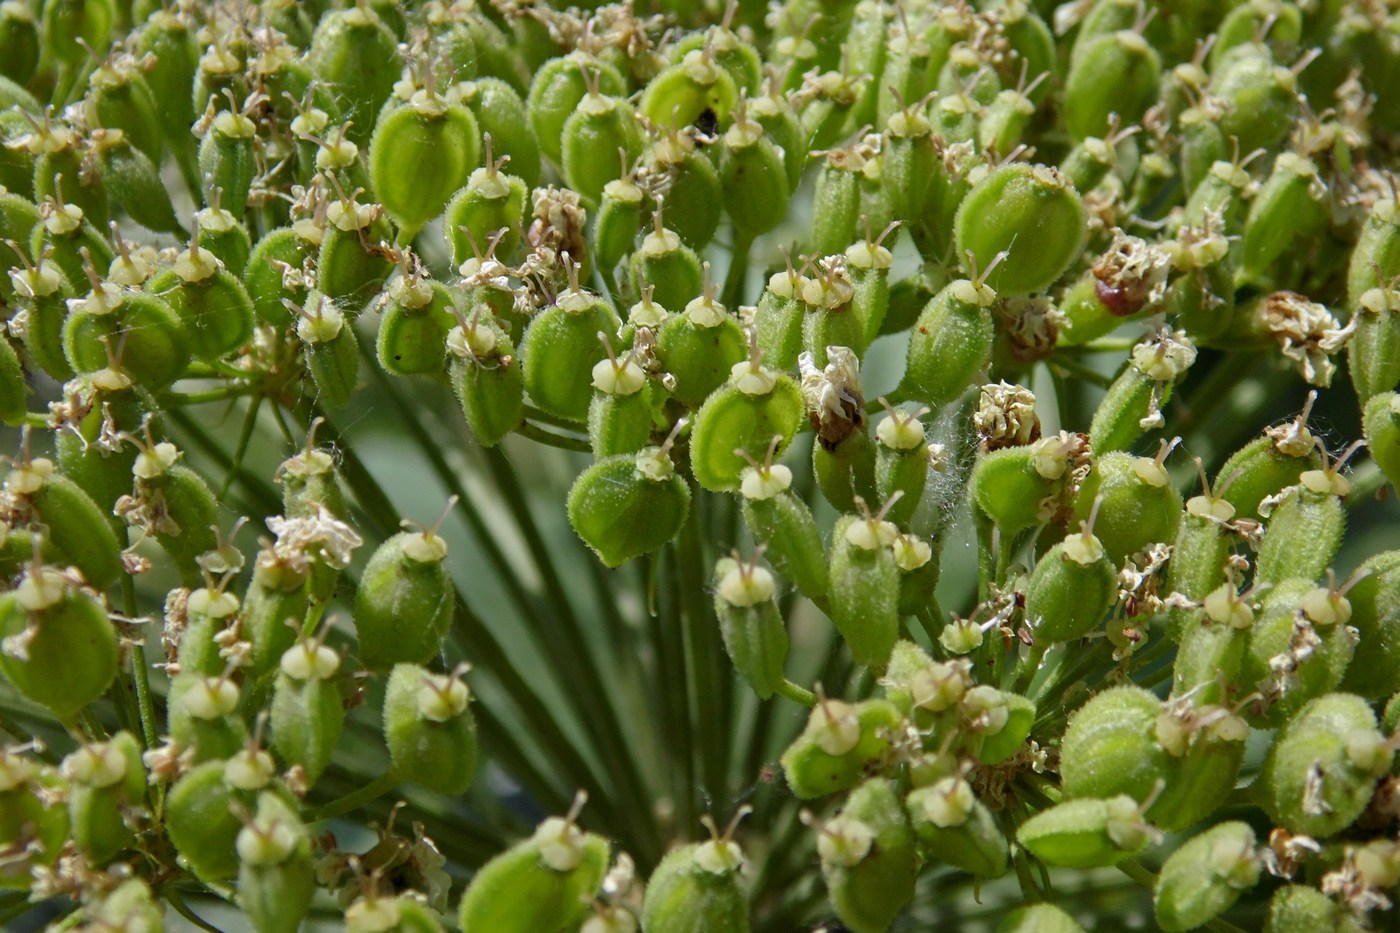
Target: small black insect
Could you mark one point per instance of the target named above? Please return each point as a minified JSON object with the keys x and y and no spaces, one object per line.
{"x":707,"y":123}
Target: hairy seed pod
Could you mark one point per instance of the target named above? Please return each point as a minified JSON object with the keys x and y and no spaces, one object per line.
{"x":666,"y":265}
{"x":502,"y":114}
{"x":1321,"y":770}
{"x":1373,"y":354}
{"x":755,"y":635}
{"x":542,"y":883}
{"x":491,"y":203}
{"x":784,"y":525}
{"x":485,"y":374}
{"x":353,"y":259}
{"x":72,"y":522}
{"x":778,"y":319}
{"x":354,"y":52}
{"x":868,"y":858}
{"x":956,"y":828}
{"x":209,"y":613}
{"x":753,"y":176}
{"x":1267,"y":465}
{"x":1087,"y":833}
{"x":61,"y":649}
{"x":1138,"y":505}
{"x":1039,"y":918}
{"x":1205,"y":877}
{"x":202,"y":716}
{"x":600,"y":123}
{"x":1262,"y":97}
{"x":276,"y":270}
{"x":212,"y":304}
{"x":865,"y":587}
{"x":951,"y":343}
{"x":702,"y":348}
{"x":1304,"y":530}
{"x":140,"y":330}
{"x":1286,"y":210}
{"x":421,"y":154}
{"x":404,"y":603}
{"x":417,"y":317}
{"x":1114,"y":73}
{"x":1299,"y":646}
{"x":1071,"y":589}
{"x":629,"y":505}
{"x":308,"y":713}
{"x":560,"y":349}
{"x":33,"y":817}
{"x":429,"y":729}
{"x":840,"y":742}
{"x":1033,"y":214}
{"x":105,"y":780}
{"x":201,"y":810}
{"x":276,"y":876}
{"x":556,"y":91}
{"x":186,"y":503}
{"x":756,"y":405}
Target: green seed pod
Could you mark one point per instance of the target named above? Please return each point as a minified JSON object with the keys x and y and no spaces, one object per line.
{"x":32,"y":818}
{"x":836,"y":203}
{"x":276,"y":594}
{"x":697,"y":888}
{"x":87,"y":453}
{"x":68,"y":26}
{"x":134,"y":183}
{"x":353,"y":260}
{"x":775,"y":113}
{"x":1001,"y":720}
{"x":1377,"y":248}
{"x":679,"y":94}
{"x":1031,"y":213}
{"x":1005,"y":123}
{"x":1111,"y":746}
{"x":702,"y":348}
{"x":1288,"y":209}
{"x":1268,"y":464}
{"x":1071,"y":589}
{"x":14,"y":391}
{"x":328,"y":150}
{"x":1138,"y":506}
{"x":1023,"y":486}
{"x":60,"y":648}
{"x":16,"y":162}
{"x":185,"y":505}
{"x":1299,"y":647}
{"x":58,"y":155}
{"x":227,"y":160}
{"x":778,"y":319}
{"x":621,"y":414}
{"x":784,"y":525}
{"x":753,"y":407}
{"x":630,"y":504}
{"x":600,"y":123}
{"x":1202,"y":145}
{"x":147,"y":330}
{"x":429,"y":728}
{"x":868,"y":859}
{"x":332,"y":352}
{"x":417,"y":316}
{"x":901,"y":462}
{"x":951,"y":343}
{"x":956,"y":828}
{"x":617,"y":223}
{"x":864,"y":592}
{"x":1220,"y":203}
{"x":404,"y":603}
{"x":667,"y":265}
{"x":420,"y":155}
{"x":1262,"y":97}
{"x":307,"y":710}
{"x":694,"y":195}
{"x":1087,"y":833}
{"x":1305,"y":528}
{"x":909,"y":159}
{"x":402,"y":914}
{"x":277,"y":270}
{"x":201,"y":811}
{"x":1202,"y":547}
{"x":729,"y":51}
{"x":208,"y":614}
{"x":213,"y":306}
{"x":1134,"y":401}
{"x":202,"y":716}
{"x":354,"y":52}
{"x":501,"y":114}
{"x":1373,"y":595}
{"x":556,"y":91}
{"x":276,"y":875}
{"x":1298,"y":909}
{"x":1373,"y":355}
{"x":485,"y":375}
{"x":1321,"y":770}
{"x":19,"y":42}
{"x":119,"y":98}
{"x":830,"y":319}
{"x":755,"y":635}
{"x":489,"y":208}
{"x":1038,"y":918}
{"x":105,"y":780}
{"x":1205,"y":877}
{"x":542,"y":883}
{"x":753,"y":175}
{"x":1114,"y":73}
{"x":221,"y":234}
{"x":561,"y":347}
{"x":72,"y":522}
{"x":839,"y":746}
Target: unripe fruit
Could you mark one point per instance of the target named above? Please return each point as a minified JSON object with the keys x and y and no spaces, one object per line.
{"x":276,"y":877}
{"x":954,"y":827}
{"x":1321,"y":770}
{"x":542,"y":883}
{"x":1071,"y":589}
{"x":1114,"y":73}
{"x":839,"y":744}
{"x":1203,"y":878}
{"x":421,"y":153}
{"x":864,"y":595}
{"x":1087,"y":833}
{"x":629,"y":504}
{"x":200,"y":810}
{"x":783,"y":523}
{"x":756,"y":405}
{"x":868,"y":860}
{"x":697,"y":888}
{"x":429,"y":728}
{"x":60,"y":649}
{"x":1039,"y":918}
{"x":307,"y":710}
{"x":951,"y":343}
{"x":1137,"y":503}
{"x":106,"y":780}
{"x":560,"y":349}
{"x":354,"y":52}
{"x":755,"y":634}
{"x":404,"y":603}
{"x":485,"y":374}
{"x":1032,"y":213}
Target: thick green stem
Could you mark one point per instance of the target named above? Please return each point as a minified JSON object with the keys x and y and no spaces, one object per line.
{"x":380,"y":786}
